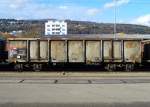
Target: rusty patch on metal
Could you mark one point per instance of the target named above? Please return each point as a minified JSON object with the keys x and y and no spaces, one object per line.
{"x":76,"y":51}
{"x":130,"y":45}
{"x":132,"y":51}
{"x":58,"y":53}
{"x":107,"y":50}
{"x":93,"y":53}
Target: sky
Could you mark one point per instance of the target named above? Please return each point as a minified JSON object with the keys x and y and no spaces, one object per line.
{"x":127,"y":11}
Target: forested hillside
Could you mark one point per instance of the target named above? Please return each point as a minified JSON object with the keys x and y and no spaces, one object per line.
{"x":35,"y":28}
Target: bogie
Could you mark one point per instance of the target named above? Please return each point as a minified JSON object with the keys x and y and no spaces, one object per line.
{"x":18,"y":67}
{"x":37,"y":67}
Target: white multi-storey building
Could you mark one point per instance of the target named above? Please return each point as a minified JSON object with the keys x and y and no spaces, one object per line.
{"x":55,"y":27}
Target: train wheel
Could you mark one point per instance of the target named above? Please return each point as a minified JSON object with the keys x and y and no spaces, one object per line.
{"x":110,"y":67}
{"x":37,"y":67}
{"x":129,"y":67}
{"x":18,"y":67}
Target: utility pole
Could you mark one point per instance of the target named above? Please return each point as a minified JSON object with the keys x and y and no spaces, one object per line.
{"x":115,"y":24}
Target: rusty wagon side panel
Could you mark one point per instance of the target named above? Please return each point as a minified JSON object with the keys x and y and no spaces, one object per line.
{"x":75,"y":51}
{"x":112,"y":51}
{"x":38,"y":50}
{"x":93,"y":51}
{"x":58,"y":51}
{"x":43,"y":50}
{"x":107,"y":51}
{"x":117,"y":51}
{"x":132,"y":51}
{"x":33,"y":50}
{"x":17,"y":50}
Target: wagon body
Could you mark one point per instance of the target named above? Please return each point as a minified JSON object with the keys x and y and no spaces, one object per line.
{"x":74,"y":50}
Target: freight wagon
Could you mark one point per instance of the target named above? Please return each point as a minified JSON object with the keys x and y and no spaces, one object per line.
{"x":3,"y":52}
{"x":110,"y":53}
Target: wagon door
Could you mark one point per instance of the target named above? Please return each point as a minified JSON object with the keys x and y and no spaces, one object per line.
{"x":117,"y":51}
{"x":43,"y":50}
{"x":132,"y":51}
{"x":38,"y":50}
{"x":17,"y":50}
{"x":107,"y":51}
{"x":112,"y":51}
{"x":34,"y":50}
{"x":76,"y":51}
{"x":93,"y":52}
{"x":58,"y":51}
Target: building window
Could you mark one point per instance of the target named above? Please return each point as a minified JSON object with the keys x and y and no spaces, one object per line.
{"x":57,"y":29}
{"x":48,"y":25}
{"x":57,"y":25}
{"x":48,"y":33}
{"x":57,"y":33}
{"x":48,"y":30}
{"x":63,"y":29}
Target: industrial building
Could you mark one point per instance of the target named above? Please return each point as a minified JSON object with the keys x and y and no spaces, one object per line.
{"x":55,"y":27}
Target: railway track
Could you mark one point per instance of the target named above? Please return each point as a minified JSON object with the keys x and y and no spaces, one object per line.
{"x":70,"y":74}
{"x":74,"y":78}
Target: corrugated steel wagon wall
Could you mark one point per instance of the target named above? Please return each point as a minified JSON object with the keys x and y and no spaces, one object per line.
{"x":58,"y":51}
{"x":44,"y":50}
{"x":33,"y":50}
{"x":112,"y":51}
{"x":38,"y":50}
{"x":17,"y":50}
{"x":107,"y":50}
{"x":117,"y":51}
{"x":76,"y":51}
{"x":132,"y":51}
{"x":93,"y":51}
